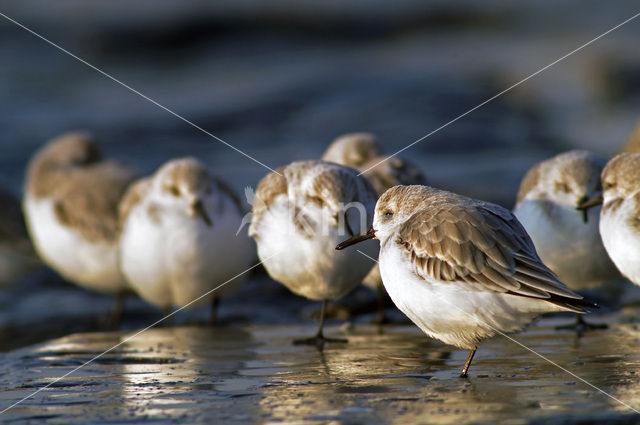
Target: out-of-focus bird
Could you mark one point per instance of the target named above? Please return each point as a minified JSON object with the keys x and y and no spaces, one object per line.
{"x":71,"y":208}
{"x":620,"y":213}
{"x":178,"y":238}
{"x":300,"y":212}
{"x":362,"y":151}
{"x":567,"y":239}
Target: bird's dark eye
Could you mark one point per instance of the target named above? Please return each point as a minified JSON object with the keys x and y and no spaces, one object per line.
{"x":388,"y":214}
{"x":174,"y":191}
{"x":609,"y":185}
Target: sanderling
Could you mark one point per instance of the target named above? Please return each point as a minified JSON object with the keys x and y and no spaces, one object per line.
{"x":567,"y":239}
{"x":17,"y":256}
{"x":71,"y":208}
{"x":620,"y":214}
{"x":178,"y":237}
{"x":461,"y":269}
{"x":298,"y":217}
{"x":363,"y":152}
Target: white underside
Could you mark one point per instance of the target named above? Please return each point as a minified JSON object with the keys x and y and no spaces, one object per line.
{"x":570,"y":247}
{"x":310,"y":267}
{"x":177,"y":259}
{"x":88,"y":264}
{"x":454,"y":312}
{"x":622,"y":241}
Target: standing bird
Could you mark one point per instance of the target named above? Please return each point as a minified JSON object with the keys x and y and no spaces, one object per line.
{"x":567,"y":239}
{"x":17,"y":256}
{"x":178,"y":237}
{"x":620,"y":214}
{"x":362,"y":152}
{"x":71,"y":208}
{"x":300,"y":212}
{"x":461,"y":269}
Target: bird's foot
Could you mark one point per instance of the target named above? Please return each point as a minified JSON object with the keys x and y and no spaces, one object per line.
{"x":580,"y":326}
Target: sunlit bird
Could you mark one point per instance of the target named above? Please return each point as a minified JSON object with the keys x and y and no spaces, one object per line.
{"x":178,"y":237}
{"x":71,"y":208}
{"x":299,"y":215}
{"x":363,"y":152}
{"x":620,"y":213}
{"x":461,"y":269}
{"x":567,"y":239}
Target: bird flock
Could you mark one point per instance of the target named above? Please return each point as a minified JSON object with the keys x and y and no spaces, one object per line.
{"x":461,"y":269}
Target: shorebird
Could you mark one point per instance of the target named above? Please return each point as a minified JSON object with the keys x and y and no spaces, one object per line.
{"x":17,"y":256}
{"x":178,"y":238}
{"x":567,"y":239}
{"x":362,"y":152}
{"x":620,"y":214}
{"x":71,"y":208}
{"x":461,"y":269}
{"x":299,"y":214}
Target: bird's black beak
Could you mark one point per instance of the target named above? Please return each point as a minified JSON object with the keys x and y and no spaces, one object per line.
{"x":587,"y":203}
{"x":198,"y":209}
{"x":356,"y":239}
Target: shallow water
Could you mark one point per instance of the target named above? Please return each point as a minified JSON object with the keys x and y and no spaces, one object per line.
{"x":255,"y":375}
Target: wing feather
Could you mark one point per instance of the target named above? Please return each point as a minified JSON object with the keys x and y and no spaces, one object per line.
{"x":484,"y":245}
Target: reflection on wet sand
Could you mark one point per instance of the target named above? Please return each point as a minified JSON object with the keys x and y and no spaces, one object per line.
{"x":205,"y":375}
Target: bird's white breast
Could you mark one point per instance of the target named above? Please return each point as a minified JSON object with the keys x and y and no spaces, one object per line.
{"x":91,"y":264}
{"x":172,"y":259}
{"x":453,"y":312}
{"x":622,"y":240}
{"x":310,"y":266}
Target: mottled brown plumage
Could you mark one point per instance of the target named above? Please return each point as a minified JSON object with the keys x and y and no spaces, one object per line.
{"x":85,"y":190}
{"x":574,"y":172}
{"x":353,"y":149}
{"x":453,"y":238}
{"x":362,"y":152}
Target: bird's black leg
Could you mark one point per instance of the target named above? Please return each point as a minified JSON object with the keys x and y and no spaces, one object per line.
{"x":319,"y":340}
{"x":215,"y":301}
{"x":465,"y":369}
{"x":381,"y":319}
{"x":581,"y":326}
{"x":113,"y":319}
{"x":168,"y":318}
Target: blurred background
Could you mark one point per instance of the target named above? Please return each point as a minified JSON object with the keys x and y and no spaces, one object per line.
{"x":281,"y":79}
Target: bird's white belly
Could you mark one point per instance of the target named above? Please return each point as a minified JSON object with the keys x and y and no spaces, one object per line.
{"x":176,"y":259}
{"x":622,"y":241}
{"x":570,"y":247}
{"x":93,"y":265}
{"x":311,"y":266}
{"x":454,"y":312}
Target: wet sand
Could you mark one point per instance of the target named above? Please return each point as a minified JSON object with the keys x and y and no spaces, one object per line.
{"x":255,"y":375}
